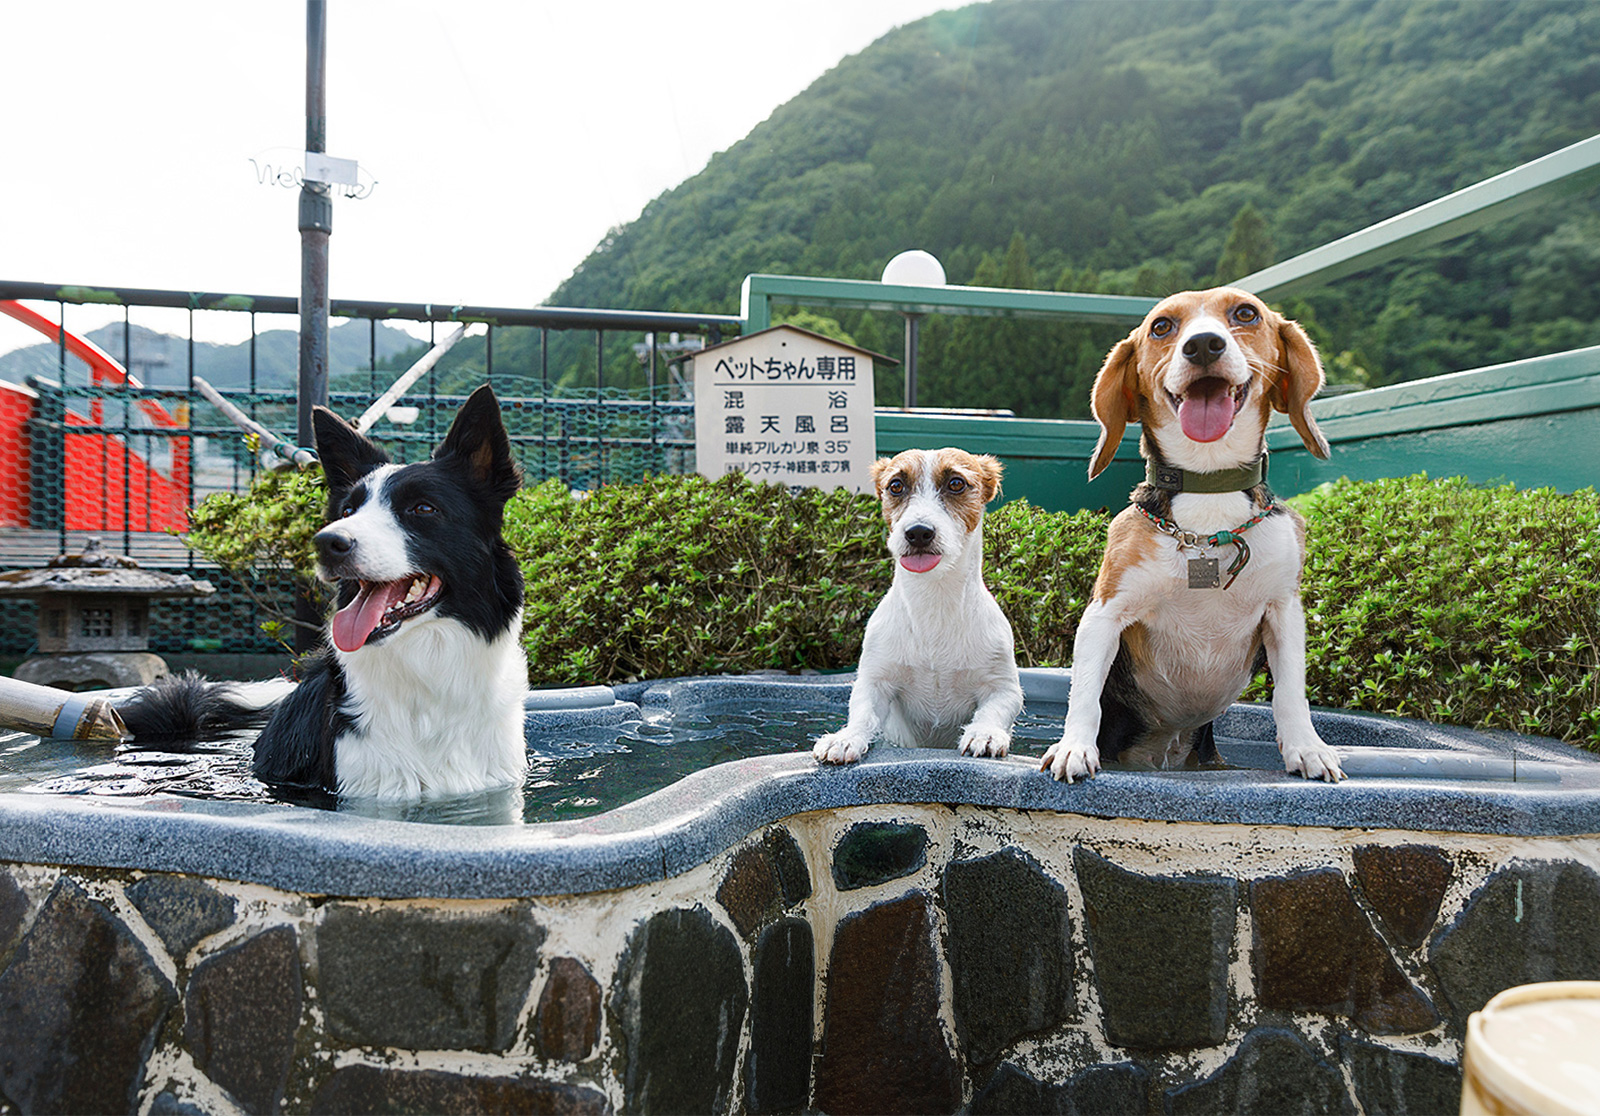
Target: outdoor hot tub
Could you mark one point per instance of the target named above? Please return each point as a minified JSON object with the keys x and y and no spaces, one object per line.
{"x":921,"y":932}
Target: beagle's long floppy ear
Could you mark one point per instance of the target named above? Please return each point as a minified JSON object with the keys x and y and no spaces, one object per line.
{"x":1298,"y":382}
{"x":1115,"y":400}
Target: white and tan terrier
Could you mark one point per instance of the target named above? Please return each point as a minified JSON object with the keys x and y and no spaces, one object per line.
{"x":1201,"y":575}
{"x":937,"y":663}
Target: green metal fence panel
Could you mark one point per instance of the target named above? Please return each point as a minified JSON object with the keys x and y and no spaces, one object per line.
{"x":1534,"y":423}
{"x":760,"y":291}
{"x":1046,"y":460}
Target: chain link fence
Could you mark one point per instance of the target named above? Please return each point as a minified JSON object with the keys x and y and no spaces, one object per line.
{"x":104,"y":434}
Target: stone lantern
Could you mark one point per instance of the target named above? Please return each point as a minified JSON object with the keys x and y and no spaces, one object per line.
{"x":94,"y":618}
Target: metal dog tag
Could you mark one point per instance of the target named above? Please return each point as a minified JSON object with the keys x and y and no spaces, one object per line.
{"x":1203,"y":573}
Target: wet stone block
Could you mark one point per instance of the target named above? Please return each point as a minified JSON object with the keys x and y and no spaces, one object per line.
{"x":778,"y":1070}
{"x":567,"y":1023}
{"x":240,"y":1015}
{"x":1010,"y":951}
{"x":80,"y":1004}
{"x":749,"y":891}
{"x":181,"y":910}
{"x":794,"y":878}
{"x":1160,"y":947}
{"x":1119,"y":1089}
{"x":882,"y":1047}
{"x":1316,"y":951}
{"x":1526,"y":924}
{"x":1405,"y":886}
{"x":1012,"y":1091}
{"x":1273,"y":1073}
{"x":13,"y":909}
{"x":1396,"y":1083}
{"x":877,"y":852}
{"x":1122,"y":1089}
{"x":678,"y":1005}
{"x":425,"y":980}
{"x":368,"y":1091}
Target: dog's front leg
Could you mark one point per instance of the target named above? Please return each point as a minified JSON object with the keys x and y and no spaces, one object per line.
{"x":869,"y":704}
{"x":1304,"y":752}
{"x":1077,"y":754}
{"x":989,"y":731}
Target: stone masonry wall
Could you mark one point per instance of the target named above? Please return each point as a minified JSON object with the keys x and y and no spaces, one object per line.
{"x":886,"y":959}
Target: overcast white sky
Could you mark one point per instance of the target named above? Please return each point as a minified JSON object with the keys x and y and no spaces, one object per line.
{"x":506,"y":137}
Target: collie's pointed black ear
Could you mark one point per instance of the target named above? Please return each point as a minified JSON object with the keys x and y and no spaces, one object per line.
{"x":346,"y":454}
{"x":478,"y":440}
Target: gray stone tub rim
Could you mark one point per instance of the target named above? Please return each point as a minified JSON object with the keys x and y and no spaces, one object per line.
{"x":318,"y":852}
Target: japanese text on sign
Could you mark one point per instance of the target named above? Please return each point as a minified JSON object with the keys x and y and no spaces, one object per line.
{"x":788,"y":407}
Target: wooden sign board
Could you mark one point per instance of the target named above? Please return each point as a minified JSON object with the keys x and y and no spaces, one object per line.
{"x":786,"y":406}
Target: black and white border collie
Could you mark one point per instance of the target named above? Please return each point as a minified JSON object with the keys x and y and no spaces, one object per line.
{"x":421,"y":692}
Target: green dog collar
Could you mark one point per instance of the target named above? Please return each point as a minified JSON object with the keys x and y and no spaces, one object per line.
{"x":1172,"y":479}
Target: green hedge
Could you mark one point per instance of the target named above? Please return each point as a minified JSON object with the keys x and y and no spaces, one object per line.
{"x":680,"y":575}
{"x":1431,"y":599}
{"x":1458,"y":604}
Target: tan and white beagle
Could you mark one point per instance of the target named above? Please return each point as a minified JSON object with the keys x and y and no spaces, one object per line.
{"x":1201,"y":573}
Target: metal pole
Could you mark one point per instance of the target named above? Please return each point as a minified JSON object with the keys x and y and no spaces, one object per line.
{"x":316,"y":224}
{"x":911,"y":359}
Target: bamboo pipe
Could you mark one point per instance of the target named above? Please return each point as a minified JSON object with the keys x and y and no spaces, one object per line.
{"x":61,"y":714}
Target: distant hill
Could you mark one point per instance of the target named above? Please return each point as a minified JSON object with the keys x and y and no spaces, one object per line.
{"x":1142,"y":148}
{"x":1114,"y":147}
{"x":162,"y":359}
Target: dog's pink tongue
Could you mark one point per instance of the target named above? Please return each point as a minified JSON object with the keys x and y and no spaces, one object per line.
{"x":919,"y":563}
{"x":353,"y":623}
{"x":1206,"y":412}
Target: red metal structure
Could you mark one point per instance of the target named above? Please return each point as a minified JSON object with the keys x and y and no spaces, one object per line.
{"x":103,"y":476}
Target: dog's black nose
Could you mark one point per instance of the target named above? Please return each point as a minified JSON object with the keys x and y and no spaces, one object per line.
{"x":1205,"y":348}
{"x":333,"y":543}
{"x":919,"y":535}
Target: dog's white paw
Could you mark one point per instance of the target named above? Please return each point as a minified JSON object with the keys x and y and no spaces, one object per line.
{"x":984,"y":742}
{"x":1313,"y":759}
{"x":1070,"y":759}
{"x":840,"y":747}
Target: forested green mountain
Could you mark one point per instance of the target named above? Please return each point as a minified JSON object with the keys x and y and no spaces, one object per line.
{"x":1114,"y":146}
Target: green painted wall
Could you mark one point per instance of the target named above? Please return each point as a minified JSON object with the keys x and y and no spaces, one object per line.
{"x":1534,"y":423}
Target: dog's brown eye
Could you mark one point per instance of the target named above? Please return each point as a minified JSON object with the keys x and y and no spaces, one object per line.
{"x":347,"y":511}
{"x":955,"y":484}
{"x":897,"y":487}
{"x":1160,"y":327}
{"x":424,"y":509}
{"x":1244,"y":313}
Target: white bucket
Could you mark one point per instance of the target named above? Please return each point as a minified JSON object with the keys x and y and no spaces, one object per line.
{"x":1534,"y":1050}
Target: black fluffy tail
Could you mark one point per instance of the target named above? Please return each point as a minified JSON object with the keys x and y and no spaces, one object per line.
{"x":185,"y":709}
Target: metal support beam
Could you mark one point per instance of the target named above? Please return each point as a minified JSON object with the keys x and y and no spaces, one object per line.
{"x":760,"y":291}
{"x":912,"y":330}
{"x":316,"y":225}
{"x":1570,"y":170}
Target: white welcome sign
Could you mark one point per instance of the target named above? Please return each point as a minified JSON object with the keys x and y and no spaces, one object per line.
{"x":786,"y":406}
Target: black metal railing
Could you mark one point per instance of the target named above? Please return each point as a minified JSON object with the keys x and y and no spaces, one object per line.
{"x":588,"y":396}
